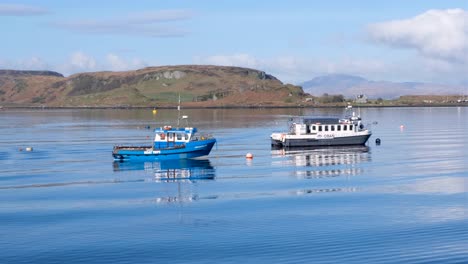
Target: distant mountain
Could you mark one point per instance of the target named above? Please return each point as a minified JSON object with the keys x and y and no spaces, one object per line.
{"x":338,"y":81}
{"x":197,"y":85}
{"x":350,"y":86}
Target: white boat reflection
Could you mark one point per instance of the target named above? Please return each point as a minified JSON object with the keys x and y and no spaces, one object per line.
{"x":172,"y":170}
{"x":324,"y":161}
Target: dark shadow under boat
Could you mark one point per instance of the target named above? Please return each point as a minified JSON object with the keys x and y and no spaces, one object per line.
{"x":321,"y":149}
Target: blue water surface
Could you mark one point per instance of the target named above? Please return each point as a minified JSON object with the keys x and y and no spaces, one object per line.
{"x":67,"y":201}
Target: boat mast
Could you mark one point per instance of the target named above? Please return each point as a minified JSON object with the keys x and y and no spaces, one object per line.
{"x":178,"y":112}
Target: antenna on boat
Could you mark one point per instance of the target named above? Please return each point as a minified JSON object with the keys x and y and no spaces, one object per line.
{"x":178,"y":112}
{"x":179,"y":117}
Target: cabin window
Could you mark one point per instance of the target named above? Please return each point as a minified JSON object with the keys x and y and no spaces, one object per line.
{"x":314,"y":128}
{"x":345,"y":127}
{"x":326,"y":128}
{"x":185,"y":136}
{"x":320,"y":128}
{"x":338,"y":127}
{"x":179,"y":136}
{"x":332,"y":128}
{"x":350,"y":127}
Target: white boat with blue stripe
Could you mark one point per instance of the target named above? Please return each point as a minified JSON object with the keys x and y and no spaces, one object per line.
{"x":169,"y":143}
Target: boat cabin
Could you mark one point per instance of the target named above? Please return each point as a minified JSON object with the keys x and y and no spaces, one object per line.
{"x":327,"y":125}
{"x":168,"y":136}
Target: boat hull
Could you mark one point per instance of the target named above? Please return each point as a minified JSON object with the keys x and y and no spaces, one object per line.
{"x":190,"y":150}
{"x":314,"y":142}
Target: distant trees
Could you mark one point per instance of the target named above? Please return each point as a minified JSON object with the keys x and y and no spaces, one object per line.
{"x":334,"y":98}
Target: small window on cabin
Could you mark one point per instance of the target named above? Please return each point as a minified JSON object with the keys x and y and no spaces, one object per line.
{"x":350,"y":127}
{"x":185,"y":136}
{"x":345,"y":127}
{"x":179,"y":136}
{"x":319,"y":128}
{"x":313,"y":128}
{"x":332,"y":128}
{"x":338,"y":128}
{"x":326,"y":128}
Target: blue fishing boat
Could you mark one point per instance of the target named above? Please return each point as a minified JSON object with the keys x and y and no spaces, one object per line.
{"x":169,"y":143}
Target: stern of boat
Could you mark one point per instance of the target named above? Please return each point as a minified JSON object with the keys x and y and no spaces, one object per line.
{"x":277,"y":139}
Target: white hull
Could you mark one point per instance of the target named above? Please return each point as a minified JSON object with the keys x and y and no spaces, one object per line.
{"x":285,"y":140}
{"x":312,"y":132}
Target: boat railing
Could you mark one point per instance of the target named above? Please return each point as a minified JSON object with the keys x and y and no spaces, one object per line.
{"x":202,"y":137}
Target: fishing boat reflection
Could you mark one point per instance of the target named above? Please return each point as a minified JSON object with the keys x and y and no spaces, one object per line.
{"x":323,"y":162}
{"x":172,"y":170}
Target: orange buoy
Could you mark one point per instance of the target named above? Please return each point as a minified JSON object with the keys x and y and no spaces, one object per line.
{"x":249,"y":156}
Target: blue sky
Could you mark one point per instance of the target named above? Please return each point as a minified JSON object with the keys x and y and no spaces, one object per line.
{"x":294,"y":40}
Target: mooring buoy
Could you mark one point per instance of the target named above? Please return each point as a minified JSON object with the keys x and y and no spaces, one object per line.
{"x":377,"y":141}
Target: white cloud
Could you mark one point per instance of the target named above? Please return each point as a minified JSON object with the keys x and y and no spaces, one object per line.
{"x":240,"y":60}
{"x":439,"y":34}
{"x":81,"y":61}
{"x":159,"y":16}
{"x":291,"y":69}
{"x":148,"y":24}
{"x":21,"y":10}
{"x":33,"y":63}
{"x":116,"y":63}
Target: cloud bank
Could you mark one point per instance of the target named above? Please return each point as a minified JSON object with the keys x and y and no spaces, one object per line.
{"x":77,"y":62}
{"x":149,"y":24}
{"x":21,"y":10}
{"x":436,"y":34}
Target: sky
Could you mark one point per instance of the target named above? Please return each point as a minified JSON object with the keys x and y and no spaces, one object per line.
{"x":294,"y":40}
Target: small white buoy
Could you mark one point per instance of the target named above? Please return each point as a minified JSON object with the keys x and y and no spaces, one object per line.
{"x":249,"y":156}
{"x":29,"y":149}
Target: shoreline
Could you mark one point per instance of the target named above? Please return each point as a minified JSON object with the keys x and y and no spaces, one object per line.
{"x":225,"y":107}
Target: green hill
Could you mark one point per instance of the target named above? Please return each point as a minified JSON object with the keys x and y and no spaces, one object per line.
{"x":198,"y":86}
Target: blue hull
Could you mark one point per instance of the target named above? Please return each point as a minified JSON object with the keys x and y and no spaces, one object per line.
{"x":192,"y":149}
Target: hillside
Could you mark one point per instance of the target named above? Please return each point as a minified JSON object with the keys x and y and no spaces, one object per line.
{"x":151,"y":87}
{"x":350,"y":86}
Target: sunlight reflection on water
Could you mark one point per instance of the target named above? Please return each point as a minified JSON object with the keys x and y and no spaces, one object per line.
{"x":403,"y":201}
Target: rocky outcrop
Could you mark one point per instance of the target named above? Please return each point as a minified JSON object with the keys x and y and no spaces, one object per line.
{"x":16,"y":73}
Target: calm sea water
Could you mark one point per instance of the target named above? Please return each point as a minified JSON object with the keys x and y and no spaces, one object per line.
{"x":404,"y":201}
